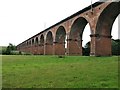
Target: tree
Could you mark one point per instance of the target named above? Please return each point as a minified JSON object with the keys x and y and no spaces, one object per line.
{"x":116,"y":47}
{"x":10,"y":48}
{"x":86,"y":49}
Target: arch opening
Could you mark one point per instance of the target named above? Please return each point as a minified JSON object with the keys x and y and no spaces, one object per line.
{"x":33,"y":41}
{"x":29,"y":42}
{"x":60,"y":40}
{"x":77,"y":28}
{"x":76,"y":36}
{"x":114,"y":31}
{"x":49,"y":44}
{"x":115,"y":41}
{"x":86,"y":40}
{"x":49,"y":38}
{"x":60,"y":35}
{"x":42,"y":40}
{"x":42,"y":48}
{"x":36,"y":41}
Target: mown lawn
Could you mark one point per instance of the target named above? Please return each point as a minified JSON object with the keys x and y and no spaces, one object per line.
{"x":54,"y":72}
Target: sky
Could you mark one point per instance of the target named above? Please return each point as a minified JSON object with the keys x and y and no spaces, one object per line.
{"x":22,"y":19}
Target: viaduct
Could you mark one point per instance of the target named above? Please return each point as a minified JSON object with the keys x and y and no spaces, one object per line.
{"x":69,"y":32}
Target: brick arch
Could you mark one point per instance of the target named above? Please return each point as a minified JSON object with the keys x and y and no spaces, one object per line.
{"x":75,"y":36}
{"x":59,"y":44}
{"x":36,"y":40}
{"x":41,"y":48}
{"x":77,"y":27}
{"x":35,"y":47}
{"x":42,"y":40}
{"x":49,"y":43}
{"x":107,"y":18}
{"x":104,"y":27}
{"x":29,"y":42}
{"x":29,"y":46}
{"x":49,"y":38}
{"x":33,"y":41}
{"x":60,"y":34}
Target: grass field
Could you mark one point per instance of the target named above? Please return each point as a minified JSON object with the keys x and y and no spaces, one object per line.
{"x":54,"y":72}
{"x":3,"y":47}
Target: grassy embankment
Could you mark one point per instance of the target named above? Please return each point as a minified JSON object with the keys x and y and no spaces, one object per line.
{"x":54,"y":72}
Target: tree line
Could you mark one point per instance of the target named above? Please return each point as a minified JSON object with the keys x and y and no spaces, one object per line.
{"x":9,"y":50}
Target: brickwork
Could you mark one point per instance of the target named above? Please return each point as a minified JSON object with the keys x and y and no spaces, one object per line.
{"x":103,"y":46}
{"x":75,"y":47}
{"x":48,"y":49}
{"x":59,"y":49}
{"x":100,"y":19}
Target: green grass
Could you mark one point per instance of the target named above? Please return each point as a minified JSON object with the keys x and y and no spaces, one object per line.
{"x":54,"y":72}
{"x":3,"y":47}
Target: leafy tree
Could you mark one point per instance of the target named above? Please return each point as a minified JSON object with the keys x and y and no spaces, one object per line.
{"x":10,"y":48}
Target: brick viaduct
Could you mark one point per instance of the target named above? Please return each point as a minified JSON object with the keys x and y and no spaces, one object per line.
{"x":52,"y":40}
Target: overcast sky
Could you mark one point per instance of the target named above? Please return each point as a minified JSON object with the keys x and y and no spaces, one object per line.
{"x":21,"y":19}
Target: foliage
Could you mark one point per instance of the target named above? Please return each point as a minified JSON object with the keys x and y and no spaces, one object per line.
{"x":10,"y":48}
{"x":53,"y":72}
{"x":3,"y":50}
{"x":86,"y":49}
{"x":116,"y":47}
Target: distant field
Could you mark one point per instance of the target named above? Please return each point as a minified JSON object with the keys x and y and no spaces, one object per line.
{"x":54,"y":72}
{"x":2,"y":48}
